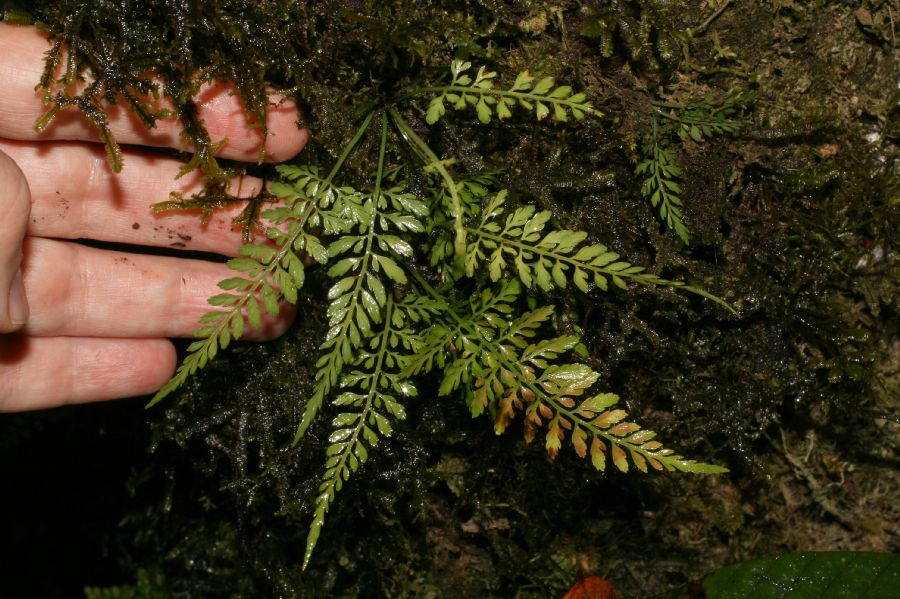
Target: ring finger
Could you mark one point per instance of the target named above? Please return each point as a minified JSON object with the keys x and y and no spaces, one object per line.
{"x":80,"y":291}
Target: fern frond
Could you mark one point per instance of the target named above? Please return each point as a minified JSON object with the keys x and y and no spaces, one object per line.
{"x":279,"y":267}
{"x":266,"y":274}
{"x":553,"y":259}
{"x":370,"y":396}
{"x":495,"y":361}
{"x":363,"y":265}
{"x":699,"y":120}
{"x":595,"y":419}
{"x":661,"y":186}
{"x":706,"y":117}
{"x":540,"y":96}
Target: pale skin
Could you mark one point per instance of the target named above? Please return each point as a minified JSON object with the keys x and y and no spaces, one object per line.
{"x":80,"y":324}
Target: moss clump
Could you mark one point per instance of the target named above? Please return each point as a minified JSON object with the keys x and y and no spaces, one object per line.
{"x":795,"y":225}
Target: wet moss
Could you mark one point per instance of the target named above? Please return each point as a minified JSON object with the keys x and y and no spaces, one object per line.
{"x":794,"y":222}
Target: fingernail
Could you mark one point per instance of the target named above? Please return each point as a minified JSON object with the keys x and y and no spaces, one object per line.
{"x":18,"y":303}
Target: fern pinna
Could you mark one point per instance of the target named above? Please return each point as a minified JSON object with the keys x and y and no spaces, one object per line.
{"x":390,"y":325}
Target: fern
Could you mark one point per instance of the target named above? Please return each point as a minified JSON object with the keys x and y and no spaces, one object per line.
{"x":703,"y":118}
{"x":661,"y":184}
{"x":389,"y":324}
{"x":369,"y":397}
{"x":699,"y":120}
{"x":551,"y":260}
{"x":500,"y":367}
{"x":266,"y":269}
{"x":268,"y":273}
{"x":527,"y":92}
{"x":366,"y":261}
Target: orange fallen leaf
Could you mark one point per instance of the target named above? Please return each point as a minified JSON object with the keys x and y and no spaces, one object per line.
{"x":592,"y":587}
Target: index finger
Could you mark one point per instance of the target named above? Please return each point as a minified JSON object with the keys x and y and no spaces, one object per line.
{"x":22,"y":52}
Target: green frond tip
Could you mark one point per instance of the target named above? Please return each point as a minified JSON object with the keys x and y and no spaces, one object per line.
{"x":701,"y":468}
{"x":661,"y":187}
{"x":504,"y":368}
{"x":370,"y":396}
{"x":516,"y":240}
{"x":200,"y":352}
{"x":542,"y":96}
{"x":265,"y":274}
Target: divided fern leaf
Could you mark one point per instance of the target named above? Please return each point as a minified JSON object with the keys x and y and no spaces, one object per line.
{"x":540,"y":96}
{"x":551,"y":260}
{"x":661,"y":187}
{"x":370,"y":397}
{"x":396,"y":256}
{"x":502,"y":369}
{"x":697,"y":120}
{"x":267,"y":274}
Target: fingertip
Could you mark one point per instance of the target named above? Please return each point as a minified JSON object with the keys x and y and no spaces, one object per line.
{"x":121,"y":368}
{"x":286,"y":137}
{"x":44,"y":372}
{"x":15,"y":208}
{"x":160,"y":365}
{"x":225,"y":117}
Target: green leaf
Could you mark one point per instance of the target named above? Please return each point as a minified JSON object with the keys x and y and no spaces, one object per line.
{"x":523,"y":81}
{"x":340,"y":434}
{"x":260,"y":253}
{"x":235,"y":283}
{"x":391,"y":268}
{"x":384,"y":426}
{"x":237,"y":326}
{"x":483,"y":111}
{"x":698,"y":467}
{"x":270,"y":301}
{"x":503,"y":111}
{"x":377,"y":288}
{"x":342,"y":420}
{"x":223,"y":299}
{"x":543,"y":86}
{"x":396,"y":245}
{"x":597,"y":404}
{"x":254,"y":317}
{"x":825,"y":575}
{"x":435,"y":111}
{"x":559,"y":113}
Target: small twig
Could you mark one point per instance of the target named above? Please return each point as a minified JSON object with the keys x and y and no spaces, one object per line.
{"x":893,"y":33}
{"x":702,"y":26}
{"x":819,"y":493}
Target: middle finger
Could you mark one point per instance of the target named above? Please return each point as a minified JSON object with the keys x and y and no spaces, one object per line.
{"x":75,"y":196}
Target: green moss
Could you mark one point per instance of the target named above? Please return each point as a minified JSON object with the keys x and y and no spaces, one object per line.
{"x":796,"y":225}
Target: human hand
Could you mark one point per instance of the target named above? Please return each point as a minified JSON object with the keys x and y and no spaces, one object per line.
{"x":78,"y":323}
